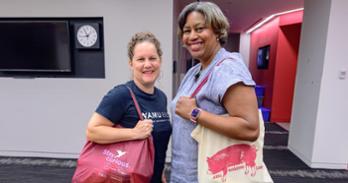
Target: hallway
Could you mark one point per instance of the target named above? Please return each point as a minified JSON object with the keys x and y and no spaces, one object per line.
{"x":283,"y":165}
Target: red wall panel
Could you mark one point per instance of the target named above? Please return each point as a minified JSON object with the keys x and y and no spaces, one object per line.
{"x":291,"y":18}
{"x":259,"y":38}
{"x":285,"y":72}
{"x":283,"y":35}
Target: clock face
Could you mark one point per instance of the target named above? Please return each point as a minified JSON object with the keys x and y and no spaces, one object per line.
{"x":87,"y":35}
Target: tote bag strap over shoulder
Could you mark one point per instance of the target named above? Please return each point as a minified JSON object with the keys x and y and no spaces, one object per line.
{"x":135,"y":103}
{"x":199,"y":87}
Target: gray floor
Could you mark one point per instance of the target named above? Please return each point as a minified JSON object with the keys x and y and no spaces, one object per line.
{"x":283,"y":165}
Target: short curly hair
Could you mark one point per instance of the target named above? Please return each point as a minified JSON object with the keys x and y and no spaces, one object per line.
{"x":213,"y":17}
{"x":142,"y":37}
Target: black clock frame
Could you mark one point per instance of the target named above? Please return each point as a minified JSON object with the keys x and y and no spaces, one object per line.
{"x":77,"y":43}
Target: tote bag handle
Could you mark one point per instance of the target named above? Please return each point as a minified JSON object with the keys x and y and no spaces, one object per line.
{"x":199,"y":87}
{"x":135,"y":103}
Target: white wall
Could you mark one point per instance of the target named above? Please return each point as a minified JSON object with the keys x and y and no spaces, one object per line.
{"x":331,"y":144}
{"x":47,"y":117}
{"x":318,"y":123}
{"x":244,"y":47}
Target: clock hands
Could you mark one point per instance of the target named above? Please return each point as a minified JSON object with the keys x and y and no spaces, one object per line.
{"x":86,"y":32}
{"x":87,"y":36}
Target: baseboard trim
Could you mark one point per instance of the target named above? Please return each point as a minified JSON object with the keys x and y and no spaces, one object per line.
{"x":31,"y":161}
{"x":40,"y":154}
{"x":325,"y":165}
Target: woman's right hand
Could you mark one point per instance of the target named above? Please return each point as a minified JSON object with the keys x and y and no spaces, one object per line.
{"x":143,"y":128}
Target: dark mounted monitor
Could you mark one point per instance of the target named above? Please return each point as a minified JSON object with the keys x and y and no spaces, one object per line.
{"x":262,"y":61}
{"x":34,"y":46}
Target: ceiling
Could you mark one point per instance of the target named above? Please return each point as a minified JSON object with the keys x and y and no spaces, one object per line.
{"x":242,"y":14}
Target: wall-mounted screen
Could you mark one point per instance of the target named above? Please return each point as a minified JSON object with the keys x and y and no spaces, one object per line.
{"x":34,"y":46}
{"x":262,"y":61}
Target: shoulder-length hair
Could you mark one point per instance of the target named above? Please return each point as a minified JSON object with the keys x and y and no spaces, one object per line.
{"x":213,"y":17}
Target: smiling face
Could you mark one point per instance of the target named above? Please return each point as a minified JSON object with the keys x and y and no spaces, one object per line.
{"x":145,"y":65}
{"x":199,"y":38}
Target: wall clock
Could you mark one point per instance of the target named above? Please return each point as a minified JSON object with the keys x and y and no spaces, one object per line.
{"x":87,"y":36}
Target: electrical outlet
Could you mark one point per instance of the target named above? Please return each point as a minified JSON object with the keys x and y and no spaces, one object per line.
{"x":342,"y":74}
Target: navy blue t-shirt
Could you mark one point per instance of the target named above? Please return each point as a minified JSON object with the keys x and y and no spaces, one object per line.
{"x":117,"y":106}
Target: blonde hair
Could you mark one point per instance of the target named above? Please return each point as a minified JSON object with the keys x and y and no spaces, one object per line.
{"x":213,"y":17}
{"x":142,"y":37}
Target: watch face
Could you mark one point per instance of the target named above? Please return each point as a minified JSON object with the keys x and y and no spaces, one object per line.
{"x":87,"y":35}
{"x":195,"y":112}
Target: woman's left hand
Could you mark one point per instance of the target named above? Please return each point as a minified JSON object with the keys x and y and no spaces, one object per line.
{"x":184,"y":106}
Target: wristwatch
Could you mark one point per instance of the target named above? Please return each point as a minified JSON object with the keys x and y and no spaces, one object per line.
{"x":195,"y":114}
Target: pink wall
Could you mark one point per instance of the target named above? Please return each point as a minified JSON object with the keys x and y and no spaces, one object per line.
{"x":283,"y":35}
{"x":285,"y":72}
{"x":259,"y":38}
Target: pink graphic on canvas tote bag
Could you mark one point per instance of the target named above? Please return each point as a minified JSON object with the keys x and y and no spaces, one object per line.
{"x":232,"y":158}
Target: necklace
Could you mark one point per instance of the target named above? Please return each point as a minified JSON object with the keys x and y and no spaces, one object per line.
{"x":198,"y":74}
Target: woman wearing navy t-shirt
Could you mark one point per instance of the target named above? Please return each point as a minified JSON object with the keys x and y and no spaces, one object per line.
{"x":117,"y":106}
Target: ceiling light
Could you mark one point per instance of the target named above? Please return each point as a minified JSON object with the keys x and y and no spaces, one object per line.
{"x":256,"y":26}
